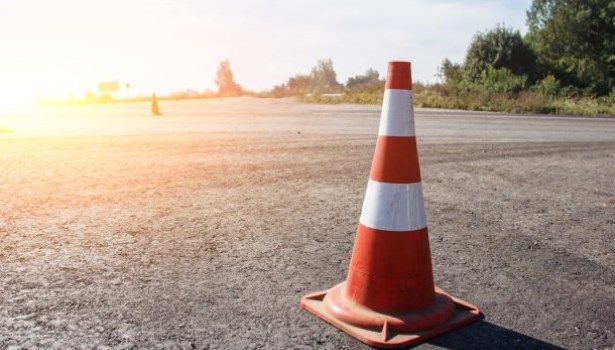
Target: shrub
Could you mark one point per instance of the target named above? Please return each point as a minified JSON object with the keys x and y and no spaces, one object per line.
{"x":370,"y":76}
{"x":502,"y":80}
{"x":500,"y":47}
{"x":549,"y":86}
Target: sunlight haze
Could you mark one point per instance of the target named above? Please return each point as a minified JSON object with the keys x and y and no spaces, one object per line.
{"x":61,"y":48}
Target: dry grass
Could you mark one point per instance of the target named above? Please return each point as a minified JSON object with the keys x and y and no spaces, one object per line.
{"x":523,"y":102}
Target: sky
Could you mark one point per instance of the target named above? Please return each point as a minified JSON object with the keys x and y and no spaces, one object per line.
{"x":54,"y":48}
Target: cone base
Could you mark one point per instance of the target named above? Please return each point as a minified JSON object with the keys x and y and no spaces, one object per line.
{"x":396,"y":329}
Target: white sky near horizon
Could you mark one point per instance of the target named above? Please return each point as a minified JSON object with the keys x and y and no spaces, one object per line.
{"x":52,"y":48}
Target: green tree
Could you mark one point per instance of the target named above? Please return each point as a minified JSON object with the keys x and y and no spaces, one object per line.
{"x":323,"y":78}
{"x":500,"y":47}
{"x":224,"y":79}
{"x":451,"y":72}
{"x":371,"y":76}
{"x":575,"y":40}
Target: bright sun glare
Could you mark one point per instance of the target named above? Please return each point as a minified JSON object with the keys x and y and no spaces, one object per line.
{"x":15,"y":99}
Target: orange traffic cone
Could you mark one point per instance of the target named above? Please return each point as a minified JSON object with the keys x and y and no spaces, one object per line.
{"x":389,"y":298}
{"x":155,"y":110}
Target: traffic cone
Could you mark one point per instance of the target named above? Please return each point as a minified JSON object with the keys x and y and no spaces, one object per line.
{"x":155,"y":110}
{"x":389,"y":298}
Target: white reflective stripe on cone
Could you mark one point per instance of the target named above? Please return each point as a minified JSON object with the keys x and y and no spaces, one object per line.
{"x":393,"y":206}
{"x":397,"y":118}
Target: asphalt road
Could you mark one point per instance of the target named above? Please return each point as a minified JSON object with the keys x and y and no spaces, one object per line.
{"x":203,"y":228}
{"x":285,"y":115}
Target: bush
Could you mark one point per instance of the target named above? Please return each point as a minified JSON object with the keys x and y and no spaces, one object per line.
{"x":371,"y":76}
{"x":502,"y":80}
{"x":450,"y":72}
{"x":549,"y":86}
{"x":323,"y":78}
{"x":498,"y":48}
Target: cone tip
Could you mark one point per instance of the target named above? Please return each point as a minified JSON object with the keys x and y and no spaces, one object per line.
{"x":399,"y":75}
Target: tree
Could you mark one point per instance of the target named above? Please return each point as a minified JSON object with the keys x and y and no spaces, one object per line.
{"x":500,"y":47}
{"x":224,"y":79}
{"x":451,"y":72}
{"x":323,"y":78}
{"x":371,"y":76}
{"x":575,"y":40}
{"x":299,"y":84}
{"x":279,"y":91}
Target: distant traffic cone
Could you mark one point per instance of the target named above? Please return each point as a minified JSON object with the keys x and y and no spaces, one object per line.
{"x":155,"y":110}
{"x":389,"y":298}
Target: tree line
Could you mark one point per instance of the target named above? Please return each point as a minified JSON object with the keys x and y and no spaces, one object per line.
{"x":569,"y":49}
{"x":564,"y":64}
{"x":322,"y":79}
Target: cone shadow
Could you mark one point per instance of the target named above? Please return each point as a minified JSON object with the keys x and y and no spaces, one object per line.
{"x":485,"y":335}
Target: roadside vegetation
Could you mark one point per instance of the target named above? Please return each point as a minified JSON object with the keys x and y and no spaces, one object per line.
{"x":565,"y":64}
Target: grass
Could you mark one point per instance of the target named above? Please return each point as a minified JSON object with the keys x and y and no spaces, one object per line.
{"x":522,"y":102}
